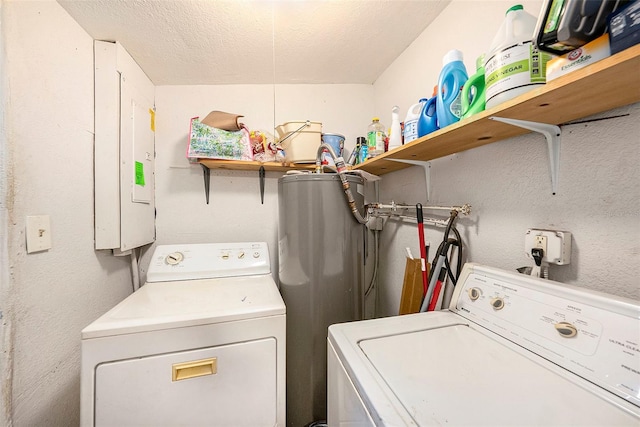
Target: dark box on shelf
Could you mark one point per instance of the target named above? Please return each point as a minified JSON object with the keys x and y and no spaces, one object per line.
{"x":624,"y":27}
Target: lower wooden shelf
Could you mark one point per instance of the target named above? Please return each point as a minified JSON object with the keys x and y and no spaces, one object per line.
{"x":253,"y":165}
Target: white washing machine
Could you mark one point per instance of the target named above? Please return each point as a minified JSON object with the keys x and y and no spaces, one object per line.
{"x":202,"y":343}
{"x":511,"y":350}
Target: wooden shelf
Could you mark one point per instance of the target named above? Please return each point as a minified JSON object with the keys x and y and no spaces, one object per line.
{"x":250,"y":165}
{"x":610,"y":83}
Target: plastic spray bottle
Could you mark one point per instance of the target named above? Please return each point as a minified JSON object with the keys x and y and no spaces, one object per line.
{"x":395,"y":136}
{"x":452,"y":78}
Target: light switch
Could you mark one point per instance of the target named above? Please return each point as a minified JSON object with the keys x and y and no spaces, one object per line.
{"x":38,"y":233}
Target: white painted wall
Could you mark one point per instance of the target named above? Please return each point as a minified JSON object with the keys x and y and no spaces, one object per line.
{"x":508,"y":182}
{"x":235,"y":212}
{"x":49,"y":296}
{"x":46,"y":168}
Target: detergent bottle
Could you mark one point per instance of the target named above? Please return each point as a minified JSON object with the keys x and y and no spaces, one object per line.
{"x":428,"y":121}
{"x":473,"y":93}
{"x":395,"y":136}
{"x":411,"y":121}
{"x":452,"y":78}
{"x":514,"y":65}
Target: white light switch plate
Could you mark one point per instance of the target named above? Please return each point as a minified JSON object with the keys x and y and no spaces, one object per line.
{"x":38,"y":233}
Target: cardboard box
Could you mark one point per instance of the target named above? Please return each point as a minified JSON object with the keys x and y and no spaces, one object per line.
{"x":588,"y":54}
{"x":624,"y":27}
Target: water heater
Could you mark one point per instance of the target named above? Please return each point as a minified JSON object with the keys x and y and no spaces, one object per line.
{"x":322,"y":271}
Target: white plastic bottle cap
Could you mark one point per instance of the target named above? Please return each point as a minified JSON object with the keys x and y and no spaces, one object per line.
{"x":452,"y":55}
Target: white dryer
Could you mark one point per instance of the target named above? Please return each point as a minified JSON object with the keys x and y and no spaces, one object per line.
{"x":202,"y":343}
{"x":511,"y":350}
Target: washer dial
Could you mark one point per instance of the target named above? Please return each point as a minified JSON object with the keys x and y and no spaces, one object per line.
{"x":474,"y":293}
{"x":497,"y":303}
{"x":566,"y":329}
{"x":174,"y":258}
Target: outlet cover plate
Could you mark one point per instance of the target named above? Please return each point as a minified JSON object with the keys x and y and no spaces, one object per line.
{"x":558,"y":249}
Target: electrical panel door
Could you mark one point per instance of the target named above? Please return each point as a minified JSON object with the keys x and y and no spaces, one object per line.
{"x":124,"y":150}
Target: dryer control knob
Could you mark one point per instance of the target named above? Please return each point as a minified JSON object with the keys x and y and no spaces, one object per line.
{"x":174,"y":258}
{"x":497,"y":303}
{"x":566,"y":329}
{"x":474,"y":293}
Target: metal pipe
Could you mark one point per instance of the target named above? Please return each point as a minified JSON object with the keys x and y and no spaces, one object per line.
{"x":464,"y":209}
{"x":432,"y":221}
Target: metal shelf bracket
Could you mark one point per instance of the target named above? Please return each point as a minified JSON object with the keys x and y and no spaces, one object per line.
{"x":427,"y":171}
{"x":552,"y":134}
{"x":206,"y":174}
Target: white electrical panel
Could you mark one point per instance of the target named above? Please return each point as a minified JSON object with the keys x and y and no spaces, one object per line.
{"x":124,"y":158}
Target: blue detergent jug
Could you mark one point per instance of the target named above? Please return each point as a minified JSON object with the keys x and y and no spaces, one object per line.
{"x":448,"y":99}
{"x":428,"y":121}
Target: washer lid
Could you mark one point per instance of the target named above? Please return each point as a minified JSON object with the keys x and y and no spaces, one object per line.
{"x":437,"y":369}
{"x":167,"y":305}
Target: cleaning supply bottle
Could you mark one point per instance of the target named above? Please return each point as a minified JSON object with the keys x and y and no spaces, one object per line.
{"x":395,"y":136}
{"x":375,"y":137}
{"x":428,"y":121}
{"x":473,"y":91}
{"x":452,"y":78}
{"x":514,"y":65}
{"x":411,"y":121}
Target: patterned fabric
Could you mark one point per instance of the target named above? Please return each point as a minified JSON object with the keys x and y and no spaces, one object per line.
{"x":206,"y":142}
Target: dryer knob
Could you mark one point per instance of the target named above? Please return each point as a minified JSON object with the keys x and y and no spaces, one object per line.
{"x":497,"y":303}
{"x":566,"y":329}
{"x":174,"y":258}
{"x":474,"y":293}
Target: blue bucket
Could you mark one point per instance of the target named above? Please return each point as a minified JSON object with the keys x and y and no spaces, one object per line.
{"x":336,"y":142}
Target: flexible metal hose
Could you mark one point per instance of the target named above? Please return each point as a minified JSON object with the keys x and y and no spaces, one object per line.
{"x":342,"y":173}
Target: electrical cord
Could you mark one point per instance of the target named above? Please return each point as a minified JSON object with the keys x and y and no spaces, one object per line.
{"x":442,"y":255}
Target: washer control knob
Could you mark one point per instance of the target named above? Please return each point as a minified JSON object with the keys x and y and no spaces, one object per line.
{"x":241,"y":255}
{"x":256,"y":254}
{"x":174,"y":258}
{"x":474,"y":293}
{"x":225,"y":256}
{"x":497,"y":303}
{"x":566,"y":329}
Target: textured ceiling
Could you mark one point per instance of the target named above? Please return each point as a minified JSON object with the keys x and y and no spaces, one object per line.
{"x":192,"y":42}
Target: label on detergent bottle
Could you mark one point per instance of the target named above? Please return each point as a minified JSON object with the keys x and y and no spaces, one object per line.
{"x":517,"y":66}
{"x":456,"y":105}
{"x":410,"y":130}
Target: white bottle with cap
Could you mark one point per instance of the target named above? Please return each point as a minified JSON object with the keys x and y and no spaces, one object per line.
{"x":395,"y":137}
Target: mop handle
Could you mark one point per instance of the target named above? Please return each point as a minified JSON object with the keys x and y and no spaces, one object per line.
{"x":423,"y":250}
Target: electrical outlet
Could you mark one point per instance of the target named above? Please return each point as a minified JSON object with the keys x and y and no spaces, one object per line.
{"x":540,"y":242}
{"x":556,"y":245}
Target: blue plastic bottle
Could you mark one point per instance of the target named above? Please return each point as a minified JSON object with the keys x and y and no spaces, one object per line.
{"x":452,"y":78}
{"x":428,"y":121}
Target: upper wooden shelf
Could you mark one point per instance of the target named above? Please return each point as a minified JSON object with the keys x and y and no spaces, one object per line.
{"x":610,"y":83}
